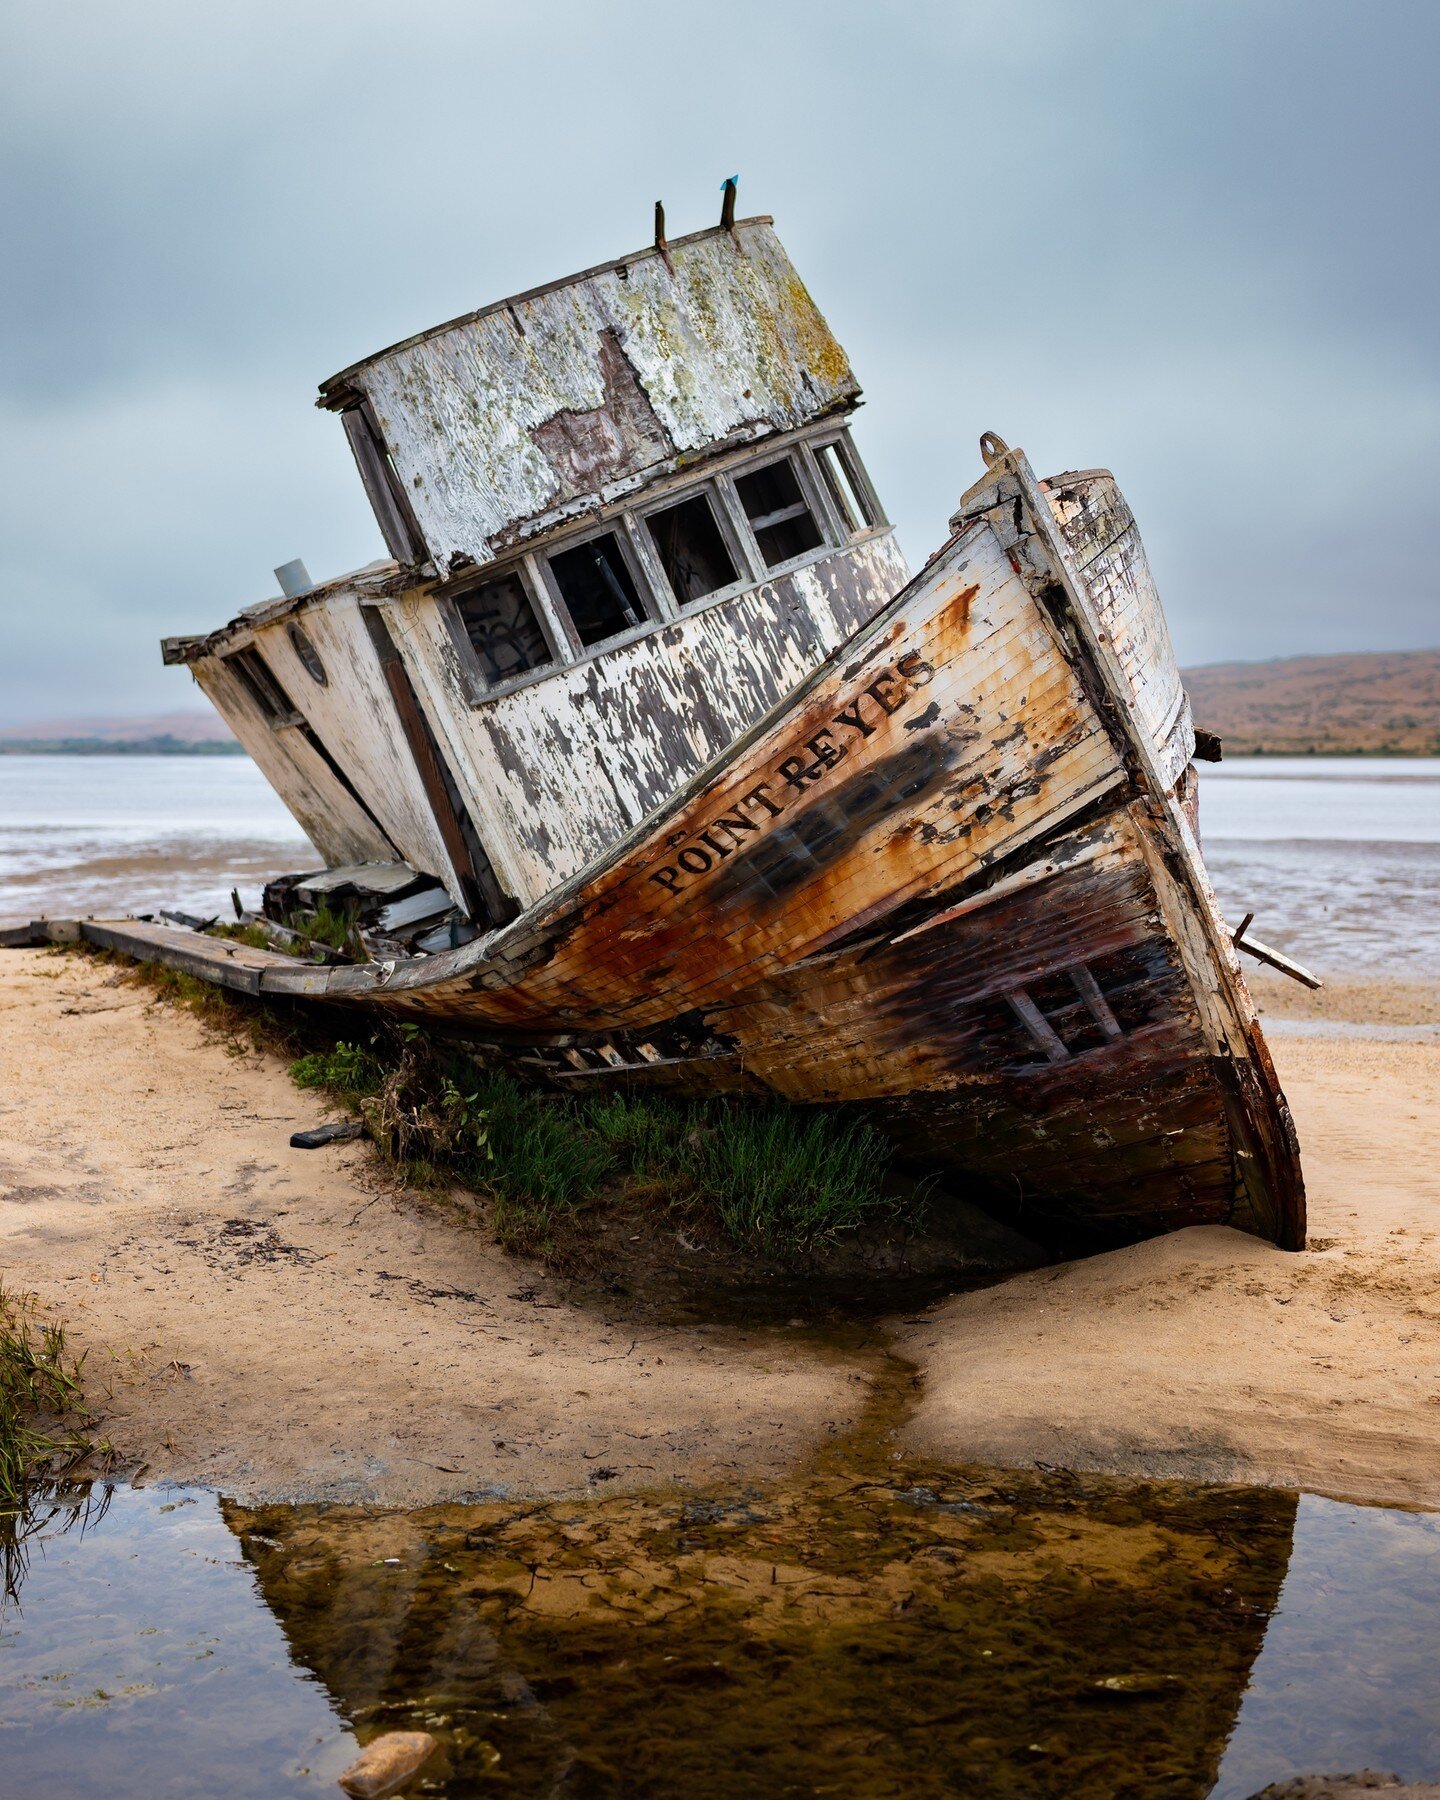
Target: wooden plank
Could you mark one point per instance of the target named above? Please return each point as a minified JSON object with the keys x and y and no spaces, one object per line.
{"x":393,"y":513}
{"x":1277,"y":960}
{"x":1089,"y":990}
{"x":1037,"y":1025}
{"x":227,"y":964}
{"x":37,"y":932}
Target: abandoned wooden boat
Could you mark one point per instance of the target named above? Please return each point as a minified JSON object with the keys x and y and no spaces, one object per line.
{"x":646,"y":762}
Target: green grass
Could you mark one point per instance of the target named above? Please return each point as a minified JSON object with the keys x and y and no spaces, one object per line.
{"x":779,"y":1180}
{"x":782,"y":1179}
{"x":351,"y":1072}
{"x":40,"y":1402}
{"x":333,"y":927}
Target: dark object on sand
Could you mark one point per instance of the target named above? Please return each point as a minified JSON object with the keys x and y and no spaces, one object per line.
{"x":327,"y":1134}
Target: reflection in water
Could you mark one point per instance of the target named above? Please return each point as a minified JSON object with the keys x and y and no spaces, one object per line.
{"x":925,"y":1633}
{"x":876,"y":1627}
{"x":865,"y":1630}
{"x":52,"y":1510}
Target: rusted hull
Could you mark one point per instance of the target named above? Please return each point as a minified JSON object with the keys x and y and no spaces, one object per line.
{"x":952,"y":881}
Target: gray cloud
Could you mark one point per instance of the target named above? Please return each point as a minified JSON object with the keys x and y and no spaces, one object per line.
{"x":1192,"y":241}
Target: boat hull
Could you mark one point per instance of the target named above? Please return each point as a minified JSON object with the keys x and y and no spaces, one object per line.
{"x":953,"y":881}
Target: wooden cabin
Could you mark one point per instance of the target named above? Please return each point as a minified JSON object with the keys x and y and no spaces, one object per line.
{"x":625,"y":517}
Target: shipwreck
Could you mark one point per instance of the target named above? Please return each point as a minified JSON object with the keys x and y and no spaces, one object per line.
{"x":644,"y":759}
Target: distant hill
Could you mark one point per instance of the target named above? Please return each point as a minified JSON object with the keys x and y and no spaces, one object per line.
{"x":195,"y":725}
{"x":1376,"y":703}
{"x":188,"y":733}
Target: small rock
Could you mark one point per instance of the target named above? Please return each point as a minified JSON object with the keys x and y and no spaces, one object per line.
{"x":1136,"y":1687}
{"x":387,"y":1763}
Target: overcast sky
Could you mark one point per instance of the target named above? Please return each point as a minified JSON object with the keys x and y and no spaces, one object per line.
{"x":1190,"y":240}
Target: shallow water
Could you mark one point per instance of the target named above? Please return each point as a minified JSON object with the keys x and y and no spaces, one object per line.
{"x":875,"y":1628}
{"x":1339,"y":858}
{"x":119,"y":834}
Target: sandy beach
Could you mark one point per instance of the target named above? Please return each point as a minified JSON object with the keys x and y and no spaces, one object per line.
{"x":284,"y":1324}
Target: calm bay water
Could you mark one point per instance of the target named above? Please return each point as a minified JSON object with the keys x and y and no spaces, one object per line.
{"x":127,"y":834}
{"x":1339,"y":859}
{"x":865,"y":1630}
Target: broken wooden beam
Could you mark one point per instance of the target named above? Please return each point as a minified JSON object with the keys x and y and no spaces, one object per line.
{"x":1275,"y":958}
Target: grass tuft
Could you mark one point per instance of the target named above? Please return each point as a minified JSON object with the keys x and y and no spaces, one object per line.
{"x":351,"y":1072}
{"x":780,"y":1180}
{"x":785,"y":1180}
{"x":40,"y":1398}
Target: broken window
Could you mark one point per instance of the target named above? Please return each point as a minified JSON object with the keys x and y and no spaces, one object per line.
{"x":596,"y":585}
{"x":503,"y":628}
{"x":263,"y":686}
{"x":843,"y":483}
{"x":778,"y":512}
{"x":691,"y":549}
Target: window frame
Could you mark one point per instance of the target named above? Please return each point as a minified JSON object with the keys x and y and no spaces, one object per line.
{"x":857,"y":475}
{"x":556,"y":636}
{"x":628,"y":524}
{"x":648,"y":591}
{"x":810,"y":482}
{"x":739,"y":547}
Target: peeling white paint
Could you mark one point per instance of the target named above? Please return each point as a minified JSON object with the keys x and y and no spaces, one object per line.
{"x":1113,"y":573}
{"x":521,"y":412}
{"x":561,"y":768}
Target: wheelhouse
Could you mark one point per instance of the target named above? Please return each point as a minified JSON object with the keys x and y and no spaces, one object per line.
{"x":625,"y":517}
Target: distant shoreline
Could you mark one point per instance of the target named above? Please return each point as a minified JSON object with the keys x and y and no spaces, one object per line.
{"x":176,"y":747}
{"x":1274,"y":752}
{"x":158,"y":746}
{"x":1361,"y":703}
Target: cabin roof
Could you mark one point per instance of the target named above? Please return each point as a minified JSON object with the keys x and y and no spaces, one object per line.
{"x":336,"y":393}
{"x":376,"y":579}
{"x":508,"y":421}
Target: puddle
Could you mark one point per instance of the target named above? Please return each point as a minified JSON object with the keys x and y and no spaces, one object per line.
{"x":876,"y":1627}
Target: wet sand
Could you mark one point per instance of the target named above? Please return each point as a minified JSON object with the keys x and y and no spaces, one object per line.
{"x":1211,"y":1355}
{"x":286,"y":1324}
